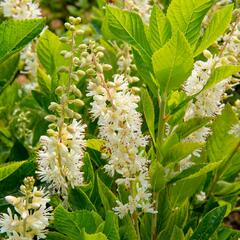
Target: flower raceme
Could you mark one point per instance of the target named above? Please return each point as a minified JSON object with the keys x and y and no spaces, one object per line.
{"x":32,"y":214}
{"x":61,"y":153}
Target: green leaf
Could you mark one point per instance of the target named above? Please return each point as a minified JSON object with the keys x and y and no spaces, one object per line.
{"x":184,"y":189}
{"x":42,"y":99}
{"x":180,"y":150}
{"x":218,"y":25}
{"x":8,"y":69}
{"x":209,"y":224}
{"x":78,"y":199}
{"x":220,"y":136}
{"x":111,"y":229}
{"x":187,"y":16}
{"x":186,"y":128}
{"x":195,"y":171}
{"x":148,"y":110}
{"x":73,"y":223}
{"x":96,"y":144}
{"x":177,"y":234}
{"x":48,"y":50}
{"x":56,"y":236}
{"x":221,"y":73}
{"x":107,"y":197}
{"x":159,"y":28}
{"x":128,"y":27}
{"x":96,"y":236}
{"x":15,"y":34}
{"x":127,"y":230}
{"x":157,"y":176}
{"x":173,"y":63}
{"x":7,"y":169}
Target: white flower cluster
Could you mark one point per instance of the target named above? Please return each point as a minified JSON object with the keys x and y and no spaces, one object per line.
{"x":119,"y":123}
{"x":32,"y":214}
{"x":62,"y":151}
{"x":60,"y":158}
{"x":20,"y":9}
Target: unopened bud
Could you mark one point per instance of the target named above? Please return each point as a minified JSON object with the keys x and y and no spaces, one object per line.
{"x":83,"y":46}
{"x":100,"y":49}
{"x":107,"y":67}
{"x":207,"y":54}
{"x":67,"y":25}
{"x":59,"y":90}
{"x":99,"y":68}
{"x":100,"y":55}
{"x":50,"y":118}
{"x":74,"y":77}
{"x":63,"y":39}
{"x":90,"y":71}
{"x":69,"y":112}
{"x":68,"y":55}
{"x":79,"y":32}
{"x":72,"y":28}
{"x":77,"y":116}
{"x":12,"y":200}
{"x":53,"y":106}
{"x":78,"y":102}
{"x":80,"y":73}
{"x":63,"y":69}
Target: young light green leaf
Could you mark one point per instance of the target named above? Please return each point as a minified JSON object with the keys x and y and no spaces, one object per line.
{"x":180,"y":150}
{"x":95,"y":144}
{"x":159,"y":28}
{"x":128,"y":27}
{"x":221,"y":73}
{"x":8,"y":69}
{"x":6,"y":169}
{"x":107,"y":197}
{"x":48,"y":50}
{"x":218,"y":25}
{"x":96,"y":236}
{"x":173,"y":63}
{"x":15,"y":34}
{"x":187,"y":16}
{"x":209,"y":224}
{"x":111,"y":228}
{"x":148,"y":110}
{"x":220,"y":136}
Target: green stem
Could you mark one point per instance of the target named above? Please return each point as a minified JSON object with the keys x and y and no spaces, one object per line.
{"x":154,"y":217}
{"x":160,"y":137}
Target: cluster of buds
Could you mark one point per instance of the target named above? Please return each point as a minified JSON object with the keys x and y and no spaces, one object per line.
{"x":22,"y":125}
{"x":32,"y":214}
{"x":61,"y":153}
{"x":125,"y":62}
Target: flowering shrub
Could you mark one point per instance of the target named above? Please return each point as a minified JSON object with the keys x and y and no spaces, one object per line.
{"x":124,"y":127}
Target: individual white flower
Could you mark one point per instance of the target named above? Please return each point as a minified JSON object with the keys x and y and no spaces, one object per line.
{"x":31,"y":219}
{"x":60,"y":159}
{"x":119,"y":123}
{"x":201,"y":196}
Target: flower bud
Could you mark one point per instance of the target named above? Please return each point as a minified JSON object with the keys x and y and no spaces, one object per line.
{"x":63,"y":39}
{"x":78,"y":102}
{"x":100,"y":55}
{"x":67,"y":25}
{"x":50,"y":118}
{"x":100,"y":49}
{"x":53,"y":106}
{"x":69,"y":112}
{"x":72,"y":28}
{"x":77,"y":116}
{"x":76,"y":60}
{"x":83,"y":46}
{"x":207,"y":54}
{"x":90,"y":71}
{"x":12,"y":200}
{"x":63,"y":69}
{"x":99,"y":68}
{"x":80,"y":73}
{"x":68,"y":55}
{"x":59,"y":90}
{"x":72,"y":19}
{"x":107,"y":67}
{"x":74,"y":77}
